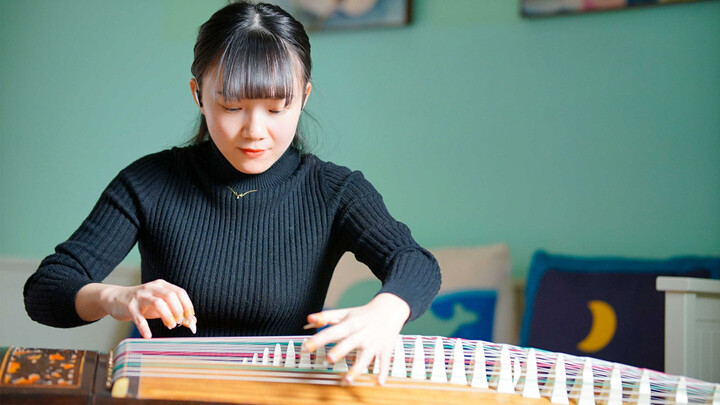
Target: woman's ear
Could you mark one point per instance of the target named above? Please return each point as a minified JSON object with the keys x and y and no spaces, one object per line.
{"x":308,"y":89}
{"x":195,"y":89}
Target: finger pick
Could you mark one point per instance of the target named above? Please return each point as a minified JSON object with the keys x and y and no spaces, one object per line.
{"x":317,"y":320}
{"x":190,"y":324}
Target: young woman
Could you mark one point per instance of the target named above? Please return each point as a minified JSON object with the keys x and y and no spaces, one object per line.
{"x":239,"y":232}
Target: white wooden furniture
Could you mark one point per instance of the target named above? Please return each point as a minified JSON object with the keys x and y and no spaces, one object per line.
{"x":692,"y":326}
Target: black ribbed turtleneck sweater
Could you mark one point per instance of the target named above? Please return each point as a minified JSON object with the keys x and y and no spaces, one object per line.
{"x":255,"y":265}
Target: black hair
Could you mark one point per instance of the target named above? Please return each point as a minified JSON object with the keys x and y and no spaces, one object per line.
{"x":259,"y":49}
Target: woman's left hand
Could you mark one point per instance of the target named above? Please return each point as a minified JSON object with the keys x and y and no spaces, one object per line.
{"x":372,"y":329}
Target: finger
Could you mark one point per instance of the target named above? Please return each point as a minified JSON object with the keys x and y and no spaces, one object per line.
{"x":173,"y":303}
{"x":186,"y":304}
{"x":170,"y":294}
{"x":362,"y":362}
{"x":158,"y":306}
{"x":343,"y":347}
{"x":315,"y":321}
{"x":143,"y":327}
{"x":324,"y":318}
{"x":159,"y":288}
{"x":384,"y":368}
{"x":334,"y":333}
{"x":140,"y":322}
{"x":188,"y":308}
{"x":318,"y":320}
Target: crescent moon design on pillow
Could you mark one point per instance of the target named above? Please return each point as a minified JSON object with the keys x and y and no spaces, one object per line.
{"x":603,"y":327}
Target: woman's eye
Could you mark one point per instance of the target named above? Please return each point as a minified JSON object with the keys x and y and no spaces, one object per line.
{"x":275,"y":111}
{"x":228,"y":109}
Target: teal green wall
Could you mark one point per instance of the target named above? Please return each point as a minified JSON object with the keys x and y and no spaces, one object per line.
{"x":596,"y":134}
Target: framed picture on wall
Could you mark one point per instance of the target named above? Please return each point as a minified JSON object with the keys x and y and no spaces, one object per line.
{"x":346,"y":14}
{"x":545,"y":8}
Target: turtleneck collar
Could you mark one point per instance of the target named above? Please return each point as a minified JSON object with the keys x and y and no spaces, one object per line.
{"x":223,"y":171}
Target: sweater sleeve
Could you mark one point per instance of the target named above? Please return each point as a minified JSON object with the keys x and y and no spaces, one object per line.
{"x":364,"y":227}
{"x":100,"y":243}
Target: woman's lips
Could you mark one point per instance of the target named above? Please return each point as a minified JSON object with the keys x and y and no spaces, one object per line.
{"x":253,"y":153}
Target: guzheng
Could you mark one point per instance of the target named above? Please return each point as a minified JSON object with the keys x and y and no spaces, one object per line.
{"x":272,"y":370}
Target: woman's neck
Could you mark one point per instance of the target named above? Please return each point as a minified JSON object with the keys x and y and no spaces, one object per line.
{"x":222,"y":171}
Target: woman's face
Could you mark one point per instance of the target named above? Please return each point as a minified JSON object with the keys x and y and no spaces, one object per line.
{"x":252,"y":134}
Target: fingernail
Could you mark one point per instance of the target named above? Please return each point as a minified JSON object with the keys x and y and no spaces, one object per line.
{"x":193,"y":328}
{"x":331,"y":357}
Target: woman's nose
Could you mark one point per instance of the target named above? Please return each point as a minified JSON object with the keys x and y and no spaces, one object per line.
{"x":253,"y":127}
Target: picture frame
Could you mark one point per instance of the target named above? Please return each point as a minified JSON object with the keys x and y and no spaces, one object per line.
{"x":348,"y":14}
{"x":549,"y":8}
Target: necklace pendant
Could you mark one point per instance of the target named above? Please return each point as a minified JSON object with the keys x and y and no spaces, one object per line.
{"x":238,"y":195}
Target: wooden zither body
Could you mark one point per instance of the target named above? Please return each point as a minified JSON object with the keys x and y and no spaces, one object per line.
{"x":51,"y":376}
{"x":276,"y":370}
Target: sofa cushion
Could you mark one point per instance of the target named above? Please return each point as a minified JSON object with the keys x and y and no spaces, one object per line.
{"x":475,"y":300}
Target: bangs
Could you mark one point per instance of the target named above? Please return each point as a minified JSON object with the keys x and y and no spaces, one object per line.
{"x":257,"y":65}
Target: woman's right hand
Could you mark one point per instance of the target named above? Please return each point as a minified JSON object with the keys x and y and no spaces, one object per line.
{"x":152,"y":300}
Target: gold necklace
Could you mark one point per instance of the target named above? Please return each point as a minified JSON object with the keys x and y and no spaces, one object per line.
{"x":238,"y":195}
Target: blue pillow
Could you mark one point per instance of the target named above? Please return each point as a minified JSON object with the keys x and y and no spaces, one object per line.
{"x":606,"y":308}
